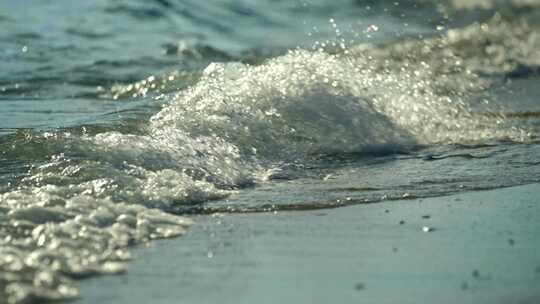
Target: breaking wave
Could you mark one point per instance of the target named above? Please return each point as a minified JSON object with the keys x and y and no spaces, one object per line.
{"x":92,"y":195}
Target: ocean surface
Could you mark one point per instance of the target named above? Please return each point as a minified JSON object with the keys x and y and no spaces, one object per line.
{"x":120,"y":119}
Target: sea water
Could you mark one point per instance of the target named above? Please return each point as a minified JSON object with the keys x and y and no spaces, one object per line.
{"x":119,"y":119}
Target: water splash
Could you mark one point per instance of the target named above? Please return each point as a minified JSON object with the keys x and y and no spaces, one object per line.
{"x":91,"y":195}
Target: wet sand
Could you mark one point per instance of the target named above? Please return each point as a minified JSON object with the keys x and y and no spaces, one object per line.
{"x":479,"y":247}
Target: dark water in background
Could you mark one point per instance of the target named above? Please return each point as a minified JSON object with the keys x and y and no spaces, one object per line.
{"x":117,"y":117}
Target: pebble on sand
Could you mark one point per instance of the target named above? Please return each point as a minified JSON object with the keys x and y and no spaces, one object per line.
{"x":427,"y":229}
{"x":359,"y":286}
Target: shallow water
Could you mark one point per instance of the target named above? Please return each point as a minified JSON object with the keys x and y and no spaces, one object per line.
{"x":118,"y":123}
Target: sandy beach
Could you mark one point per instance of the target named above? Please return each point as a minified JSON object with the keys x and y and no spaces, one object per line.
{"x":477,"y":247}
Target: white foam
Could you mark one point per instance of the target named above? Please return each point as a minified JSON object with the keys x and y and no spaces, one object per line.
{"x":311,"y":103}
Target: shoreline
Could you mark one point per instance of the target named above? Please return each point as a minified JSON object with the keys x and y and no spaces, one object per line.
{"x":474,"y":247}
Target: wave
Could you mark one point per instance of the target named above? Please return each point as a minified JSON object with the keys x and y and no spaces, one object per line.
{"x":89,"y":196}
